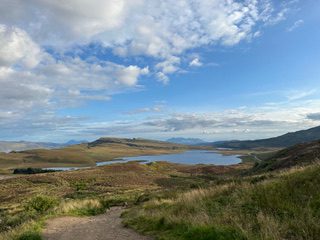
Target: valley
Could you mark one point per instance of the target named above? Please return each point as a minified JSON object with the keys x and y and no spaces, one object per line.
{"x":255,"y":199}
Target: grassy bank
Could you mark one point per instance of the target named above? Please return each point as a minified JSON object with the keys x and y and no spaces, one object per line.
{"x":285,"y":206}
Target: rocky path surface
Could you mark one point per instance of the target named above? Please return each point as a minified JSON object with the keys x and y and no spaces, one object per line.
{"x":107,"y":226}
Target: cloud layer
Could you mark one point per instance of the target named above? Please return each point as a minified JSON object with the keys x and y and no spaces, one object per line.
{"x":39,"y":77}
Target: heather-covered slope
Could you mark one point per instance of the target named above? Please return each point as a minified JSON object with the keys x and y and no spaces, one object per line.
{"x":285,"y":140}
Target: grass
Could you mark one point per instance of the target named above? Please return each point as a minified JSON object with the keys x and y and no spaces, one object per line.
{"x":30,"y":230}
{"x":26,"y":200}
{"x":86,"y":207}
{"x":285,"y":207}
{"x":170,"y":201}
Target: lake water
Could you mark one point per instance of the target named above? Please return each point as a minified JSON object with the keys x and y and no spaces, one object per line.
{"x":188,"y":157}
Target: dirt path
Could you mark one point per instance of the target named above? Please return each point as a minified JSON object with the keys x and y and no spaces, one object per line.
{"x":3,"y":177}
{"x":103,"y":227}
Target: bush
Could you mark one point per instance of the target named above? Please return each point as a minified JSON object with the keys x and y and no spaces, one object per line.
{"x":41,"y":204}
{"x":30,"y":236}
{"x":210,"y":233}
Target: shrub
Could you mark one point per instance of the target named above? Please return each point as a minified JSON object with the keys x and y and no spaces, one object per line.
{"x":210,"y":233}
{"x":30,"y":236}
{"x":41,"y":204}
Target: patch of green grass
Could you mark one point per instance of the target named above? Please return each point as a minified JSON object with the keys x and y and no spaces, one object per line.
{"x":30,"y":230}
{"x":29,"y":236}
{"x":210,"y":233}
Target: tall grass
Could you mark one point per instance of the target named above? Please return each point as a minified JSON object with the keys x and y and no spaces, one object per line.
{"x":27,"y":224}
{"x":86,"y":207}
{"x":284,"y":208}
{"x":30,"y":230}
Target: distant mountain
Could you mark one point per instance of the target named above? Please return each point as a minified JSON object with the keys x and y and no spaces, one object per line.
{"x":136,"y":142}
{"x":186,"y":141}
{"x":285,"y":140}
{"x":298,"y":155}
{"x":8,"y":146}
{"x":74,"y":142}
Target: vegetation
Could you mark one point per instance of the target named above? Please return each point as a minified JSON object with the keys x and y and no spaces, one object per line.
{"x":299,"y":155}
{"x":28,"y":200}
{"x":284,"y":207}
{"x":172,"y":201}
{"x":32,"y":170}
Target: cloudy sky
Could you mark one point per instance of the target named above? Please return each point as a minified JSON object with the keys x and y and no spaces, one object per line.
{"x":213,"y":69}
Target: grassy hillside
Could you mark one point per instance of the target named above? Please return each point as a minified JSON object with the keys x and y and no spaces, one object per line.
{"x":285,"y":140}
{"x":298,"y":155}
{"x":103,"y":149}
{"x":285,"y":206}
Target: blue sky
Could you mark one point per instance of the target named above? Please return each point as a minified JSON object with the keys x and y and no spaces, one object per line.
{"x":212,"y":69}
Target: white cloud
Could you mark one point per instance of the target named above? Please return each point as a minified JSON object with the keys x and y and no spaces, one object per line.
{"x":242,"y":123}
{"x":153,"y":109}
{"x":34,"y":84}
{"x":16,"y":47}
{"x":195,"y":63}
{"x":170,"y":65}
{"x":295,"y":25}
{"x":163,"y":30}
{"x":32,"y":79}
{"x":299,"y":94}
{"x":162,"y":77}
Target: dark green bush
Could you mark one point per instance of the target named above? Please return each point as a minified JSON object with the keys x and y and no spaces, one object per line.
{"x":30,"y":236}
{"x":211,"y":233}
{"x":41,"y":204}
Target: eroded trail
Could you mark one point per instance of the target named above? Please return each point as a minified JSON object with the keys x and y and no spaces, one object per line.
{"x":103,"y":227}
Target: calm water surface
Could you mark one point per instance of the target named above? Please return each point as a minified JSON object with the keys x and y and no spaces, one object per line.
{"x":188,"y":157}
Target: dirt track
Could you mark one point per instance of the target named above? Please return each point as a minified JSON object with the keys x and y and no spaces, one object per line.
{"x":3,"y":177}
{"x":103,"y":227}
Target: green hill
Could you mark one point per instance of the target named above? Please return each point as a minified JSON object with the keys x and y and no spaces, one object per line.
{"x":298,"y":155}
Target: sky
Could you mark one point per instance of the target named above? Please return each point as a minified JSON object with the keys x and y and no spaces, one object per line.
{"x":209,"y":69}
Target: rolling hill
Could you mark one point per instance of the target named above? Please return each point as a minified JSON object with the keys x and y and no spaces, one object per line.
{"x":8,"y":146}
{"x":298,"y":155}
{"x":282,"y":141}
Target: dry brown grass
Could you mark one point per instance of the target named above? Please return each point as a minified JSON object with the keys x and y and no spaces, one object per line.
{"x":73,"y":206}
